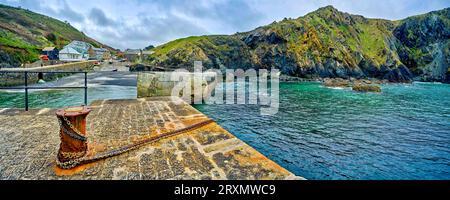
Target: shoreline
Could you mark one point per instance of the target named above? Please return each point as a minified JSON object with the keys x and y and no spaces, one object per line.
{"x":286,"y":78}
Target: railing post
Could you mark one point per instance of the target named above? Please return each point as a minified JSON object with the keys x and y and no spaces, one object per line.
{"x":85,"y":88}
{"x":26,"y":86}
{"x":26,"y":91}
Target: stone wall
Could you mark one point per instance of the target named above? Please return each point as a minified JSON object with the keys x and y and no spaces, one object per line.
{"x":157,"y":84}
{"x":71,"y":66}
{"x":7,"y":78}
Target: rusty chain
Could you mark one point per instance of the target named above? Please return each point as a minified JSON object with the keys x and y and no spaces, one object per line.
{"x":73,"y":133}
{"x":115,"y":152}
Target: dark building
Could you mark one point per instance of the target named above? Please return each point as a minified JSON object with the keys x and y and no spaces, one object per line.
{"x":51,"y":52}
{"x":133,"y":55}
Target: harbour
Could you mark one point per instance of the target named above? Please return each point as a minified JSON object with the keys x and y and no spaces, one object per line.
{"x":224,"y":90}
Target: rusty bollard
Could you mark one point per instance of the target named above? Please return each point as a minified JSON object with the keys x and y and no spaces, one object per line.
{"x":73,"y":145}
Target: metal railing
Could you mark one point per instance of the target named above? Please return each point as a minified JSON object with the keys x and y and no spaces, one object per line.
{"x":26,"y":87}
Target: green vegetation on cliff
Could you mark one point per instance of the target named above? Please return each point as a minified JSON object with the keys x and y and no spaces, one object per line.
{"x":13,"y":45}
{"x":24,"y":33}
{"x":325,"y":43}
{"x":214,"y":50}
{"x":426,"y":44}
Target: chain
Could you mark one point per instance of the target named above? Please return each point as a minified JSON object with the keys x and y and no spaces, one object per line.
{"x":72,"y":155}
{"x":71,"y":126}
{"x":84,"y":160}
{"x":74,"y":133}
{"x":69,"y":164}
{"x":130,"y":147}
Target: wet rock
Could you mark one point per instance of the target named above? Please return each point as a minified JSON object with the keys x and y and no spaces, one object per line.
{"x":366,"y":88}
{"x":337,"y":82}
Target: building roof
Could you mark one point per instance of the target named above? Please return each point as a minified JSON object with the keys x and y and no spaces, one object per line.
{"x":132,"y":51}
{"x":48,"y":49}
{"x":99,"y":49}
{"x":80,"y":47}
{"x":69,"y":50}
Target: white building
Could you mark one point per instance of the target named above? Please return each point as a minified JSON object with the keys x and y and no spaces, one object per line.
{"x":75,"y":51}
{"x":69,"y":54}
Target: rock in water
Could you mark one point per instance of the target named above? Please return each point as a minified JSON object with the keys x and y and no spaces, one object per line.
{"x":337,"y":82}
{"x":366,"y":88}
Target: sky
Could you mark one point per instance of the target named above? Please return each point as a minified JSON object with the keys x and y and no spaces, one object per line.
{"x":140,"y":23}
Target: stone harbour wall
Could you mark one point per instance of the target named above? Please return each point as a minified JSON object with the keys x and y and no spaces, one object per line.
{"x":8,"y":78}
{"x":158,"y":84}
{"x":30,"y":140}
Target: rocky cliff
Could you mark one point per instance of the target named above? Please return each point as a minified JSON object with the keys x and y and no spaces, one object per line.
{"x":326,"y":43}
{"x":426,"y":44}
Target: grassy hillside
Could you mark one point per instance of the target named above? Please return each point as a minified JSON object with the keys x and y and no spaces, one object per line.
{"x":215,"y":50}
{"x":24,"y":33}
{"x":324,"y":43}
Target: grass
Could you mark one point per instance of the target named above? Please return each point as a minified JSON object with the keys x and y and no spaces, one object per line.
{"x":176,"y":44}
{"x":19,"y":49}
{"x":27,"y":32}
{"x":319,"y":37}
{"x":322,"y":35}
{"x":9,"y":39}
{"x":372,"y":42}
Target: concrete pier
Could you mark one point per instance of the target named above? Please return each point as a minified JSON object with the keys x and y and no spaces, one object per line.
{"x":29,"y":142}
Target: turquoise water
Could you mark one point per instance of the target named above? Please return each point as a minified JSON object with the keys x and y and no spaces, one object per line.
{"x":323,"y":133}
{"x":63,"y":98}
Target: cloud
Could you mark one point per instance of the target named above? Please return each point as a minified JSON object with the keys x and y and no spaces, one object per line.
{"x":99,"y":17}
{"x":54,"y":8}
{"x":68,"y":13}
{"x":139,"y":23}
{"x":226,"y":15}
{"x":144,"y":31}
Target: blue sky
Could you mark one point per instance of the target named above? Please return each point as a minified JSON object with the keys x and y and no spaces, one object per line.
{"x":139,"y":23}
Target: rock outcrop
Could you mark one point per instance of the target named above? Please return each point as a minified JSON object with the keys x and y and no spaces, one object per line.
{"x":336,"y":82}
{"x":426,"y":44}
{"x":359,"y":85}
{"x":326,"y":43}
{"x":6,"y":60}
{"x":366,"y":88}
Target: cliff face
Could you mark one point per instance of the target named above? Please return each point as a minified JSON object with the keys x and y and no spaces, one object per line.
{"x":326,"y":43}
{"x":426,"y":42}
{"x":24,"y":33}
